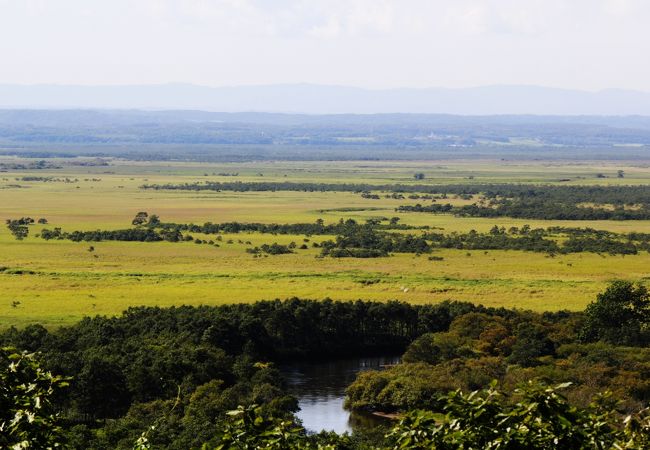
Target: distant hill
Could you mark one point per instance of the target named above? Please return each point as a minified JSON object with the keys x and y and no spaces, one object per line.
{"x":319,"y":99}
{"x":205,"y":135}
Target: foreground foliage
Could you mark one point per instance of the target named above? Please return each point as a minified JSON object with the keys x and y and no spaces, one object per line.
{"x":28,"y":417}
{"x":540,"y":419}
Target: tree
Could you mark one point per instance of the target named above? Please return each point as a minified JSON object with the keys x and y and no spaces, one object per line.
{"x":532,"y":342}
{"x":100,"y":389}
{"x":154,"y":221}
{"x":28,"y":419}
{"x":140,"y":218}
{"x":19,"y":228}
{"x":419,"y":176}
{"x":433,"y":348}
{"x":619,"y":316}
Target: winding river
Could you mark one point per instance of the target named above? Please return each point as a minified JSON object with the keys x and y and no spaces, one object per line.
{"x":320,"y":389}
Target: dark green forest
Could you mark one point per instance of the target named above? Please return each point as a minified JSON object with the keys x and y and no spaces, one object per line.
{"x":470,"y":377}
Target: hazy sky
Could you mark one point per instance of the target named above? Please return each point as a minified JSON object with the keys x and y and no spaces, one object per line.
{"x":587,"y":44}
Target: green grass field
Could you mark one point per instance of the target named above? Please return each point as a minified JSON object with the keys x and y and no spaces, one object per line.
{"x":58,"y":282}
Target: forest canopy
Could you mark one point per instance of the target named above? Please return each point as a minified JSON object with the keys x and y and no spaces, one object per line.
{"x":182,"y":377}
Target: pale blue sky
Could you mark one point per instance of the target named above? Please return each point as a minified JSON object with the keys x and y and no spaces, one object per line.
{"x":584,"y":44}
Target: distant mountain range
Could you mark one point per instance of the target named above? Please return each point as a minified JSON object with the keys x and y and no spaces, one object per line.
{"x":319,"y":99}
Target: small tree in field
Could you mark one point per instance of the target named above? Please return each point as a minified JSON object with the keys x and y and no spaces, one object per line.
{"x":140,"y":218}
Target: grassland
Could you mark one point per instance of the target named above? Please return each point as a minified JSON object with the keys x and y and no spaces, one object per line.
{"x":58,"y":282}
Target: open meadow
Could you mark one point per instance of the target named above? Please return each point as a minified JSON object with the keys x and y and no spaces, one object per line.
{"x":57,"y":282}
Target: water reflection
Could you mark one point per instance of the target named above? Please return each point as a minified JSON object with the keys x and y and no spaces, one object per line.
{"x":320,"y":389}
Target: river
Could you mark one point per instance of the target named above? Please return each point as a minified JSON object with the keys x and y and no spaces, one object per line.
{"x":320,"y":389}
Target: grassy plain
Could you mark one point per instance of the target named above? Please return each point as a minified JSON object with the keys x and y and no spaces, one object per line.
{"x":58,"y":282}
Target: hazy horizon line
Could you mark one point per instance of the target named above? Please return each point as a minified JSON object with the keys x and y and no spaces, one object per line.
{"x":331,"y":85}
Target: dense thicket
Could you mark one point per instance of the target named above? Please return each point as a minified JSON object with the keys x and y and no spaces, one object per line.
{"x":437,"y":363}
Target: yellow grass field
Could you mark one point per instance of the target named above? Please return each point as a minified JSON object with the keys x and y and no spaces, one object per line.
{"x":58,"y":282}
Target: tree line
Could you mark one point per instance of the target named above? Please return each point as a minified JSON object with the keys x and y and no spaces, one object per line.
{"x":574,"y":240}
{"x":377,"y":237}
{"x":620,"y":194}
{"x":526,"y":201}
{"x":319,"y":227}
{"x":537,"y":208}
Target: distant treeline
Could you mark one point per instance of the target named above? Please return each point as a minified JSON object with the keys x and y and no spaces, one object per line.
{"x":374,"y":238}
{"x":574,"y":194}
{"x":545,"y":240}
{"x":262,"y":186}
{"x":365,"y":241}
{"x":398,"y":132}
{"x":552,"y":203}
{"x":525,"y":201}
{"x":36,"y":165}
{"x":129,"y":234}
{"x":316,"y":228}
{"x":535,"y":209}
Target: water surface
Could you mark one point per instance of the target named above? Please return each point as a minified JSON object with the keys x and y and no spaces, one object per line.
{"x":320,"y":389}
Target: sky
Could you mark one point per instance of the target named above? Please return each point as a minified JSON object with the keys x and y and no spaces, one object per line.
{"x":377,"y":44}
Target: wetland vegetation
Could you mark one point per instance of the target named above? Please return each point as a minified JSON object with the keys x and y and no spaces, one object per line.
{"x":156,"y":305}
